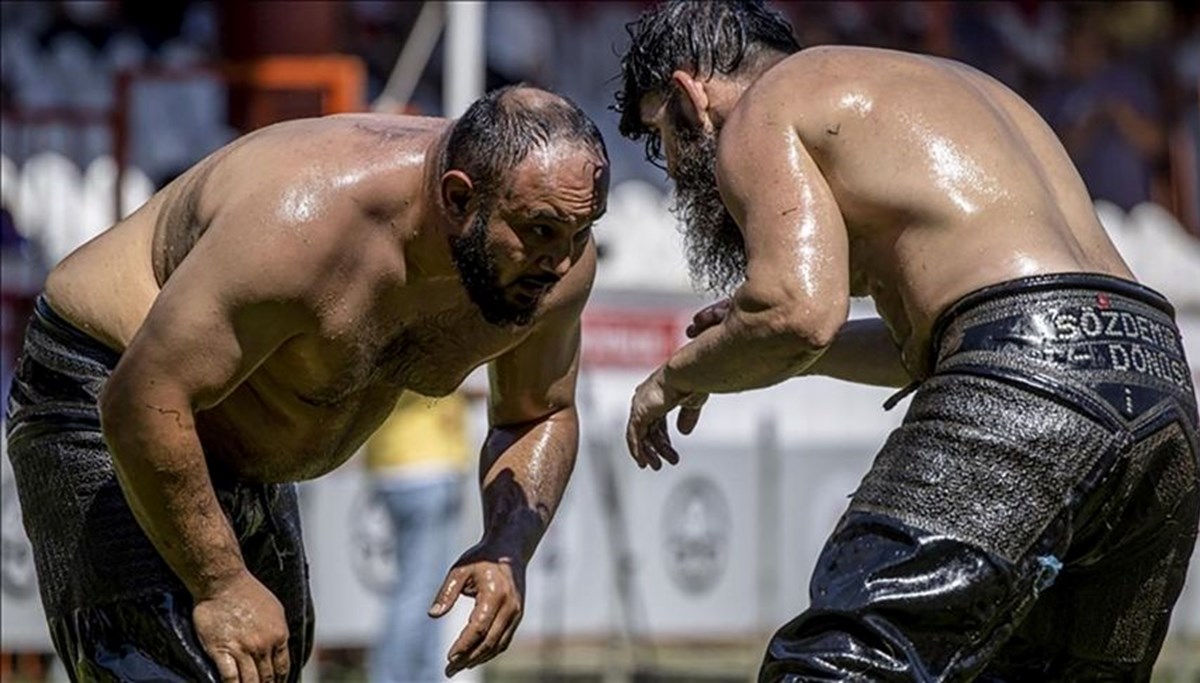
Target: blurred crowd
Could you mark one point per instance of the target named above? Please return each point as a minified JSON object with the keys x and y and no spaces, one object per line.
{"x":1117,"y":81}
{"x":59,"y":64}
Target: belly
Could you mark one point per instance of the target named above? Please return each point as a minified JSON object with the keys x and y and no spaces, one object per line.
{"x":106,"y":287}
{"x":265,"y":438}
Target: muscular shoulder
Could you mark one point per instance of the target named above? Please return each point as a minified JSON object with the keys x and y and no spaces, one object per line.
{"x":806,"y":84}
{"x":300,"y":169}
{"x":820,"y":87}
{"x":298,"y":209}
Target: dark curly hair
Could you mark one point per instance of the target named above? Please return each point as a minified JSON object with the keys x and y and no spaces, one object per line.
{"x":701,"y":36}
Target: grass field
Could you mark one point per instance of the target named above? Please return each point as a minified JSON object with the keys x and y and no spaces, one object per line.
{"x":679,"y":662}
{"x":597,"y":662}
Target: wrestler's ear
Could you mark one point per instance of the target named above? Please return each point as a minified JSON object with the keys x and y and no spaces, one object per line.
{"x":693,"y":98}
{"x":457,"y":191}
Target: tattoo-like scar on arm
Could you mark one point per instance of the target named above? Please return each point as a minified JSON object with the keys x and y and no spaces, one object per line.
{"x":164,"y":411}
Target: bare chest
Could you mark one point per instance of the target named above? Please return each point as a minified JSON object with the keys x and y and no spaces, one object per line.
{"x":430,"y":354}
{"x":317,"y":398}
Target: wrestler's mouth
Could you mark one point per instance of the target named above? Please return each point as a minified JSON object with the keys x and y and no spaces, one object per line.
{"x":535,"y":285}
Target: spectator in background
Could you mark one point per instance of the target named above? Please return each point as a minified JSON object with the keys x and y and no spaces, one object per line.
{"x":10,"y":244}
{"x":1107,"y":113}
{"x":417,"y":461}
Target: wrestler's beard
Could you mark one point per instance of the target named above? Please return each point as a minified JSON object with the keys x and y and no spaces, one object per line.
{"x":716,"y":253}
{"x":477,"y":270}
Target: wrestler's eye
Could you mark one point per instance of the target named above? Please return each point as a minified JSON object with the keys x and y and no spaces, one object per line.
{"x":543,"y":231}
{"x":654,"y":153}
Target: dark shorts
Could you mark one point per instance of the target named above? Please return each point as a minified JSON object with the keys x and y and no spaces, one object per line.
{"x":115,"y":609}
{"x":1033,"y":517}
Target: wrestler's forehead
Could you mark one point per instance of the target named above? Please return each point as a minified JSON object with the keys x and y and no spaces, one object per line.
{"x":568,"y":178}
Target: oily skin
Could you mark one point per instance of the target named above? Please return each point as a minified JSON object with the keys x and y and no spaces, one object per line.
{"x":273,"y":303}
{"x":907,"y":178}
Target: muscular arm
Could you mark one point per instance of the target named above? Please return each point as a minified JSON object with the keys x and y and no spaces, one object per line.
{"x":534,"y":436}
{"x":522,"y":473}
{"x":862,"y":352}
{"x":795,"y":296}
{"x":194,"y":347}
{"x":527,"y":459}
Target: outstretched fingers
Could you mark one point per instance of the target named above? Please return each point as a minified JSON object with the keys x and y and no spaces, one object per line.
{"x":447,"y":595}
{"x":660,"y":440}
{"x":499,"y":634}
{"x":639,"y":448}
{"x":498,"y":609}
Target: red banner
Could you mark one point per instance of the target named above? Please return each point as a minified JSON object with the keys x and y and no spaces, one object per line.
{"x":631,"y":338}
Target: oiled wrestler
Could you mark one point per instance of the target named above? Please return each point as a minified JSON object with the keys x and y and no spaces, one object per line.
{"x":1033,"y":517}
{"x":250,"y":326}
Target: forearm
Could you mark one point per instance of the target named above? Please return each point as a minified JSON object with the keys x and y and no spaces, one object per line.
{"x":863,"y":351}
{"x":162,"y":471}
{"x":523,"y":473}
{"x":747,"y":350}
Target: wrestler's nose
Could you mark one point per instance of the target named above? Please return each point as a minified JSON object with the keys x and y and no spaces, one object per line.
{"x":556,"y":260}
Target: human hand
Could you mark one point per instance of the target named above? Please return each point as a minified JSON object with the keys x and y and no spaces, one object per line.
{"x":646,"y":434}
{"x":243,"y":629}
{"x":707,"y":317}
{"x":496,"y":580}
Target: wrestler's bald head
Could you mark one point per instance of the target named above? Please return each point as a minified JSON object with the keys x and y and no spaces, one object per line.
{"x":522,"y":95}
{"x":503,"y":127}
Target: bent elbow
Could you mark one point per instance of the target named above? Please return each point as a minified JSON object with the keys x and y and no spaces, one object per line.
{"x":811,"y":334}
{"x":801,"y":321}
{"x":811,"y":329}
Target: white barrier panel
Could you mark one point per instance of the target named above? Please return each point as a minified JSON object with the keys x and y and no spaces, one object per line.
{"x":816,"y":483}
{"x":693,"y":536}
{"x":349,"y":557}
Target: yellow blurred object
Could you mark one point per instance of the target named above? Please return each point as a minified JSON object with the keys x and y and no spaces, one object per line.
{"x":1135,"y":25}
{"x":424,"y":434}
